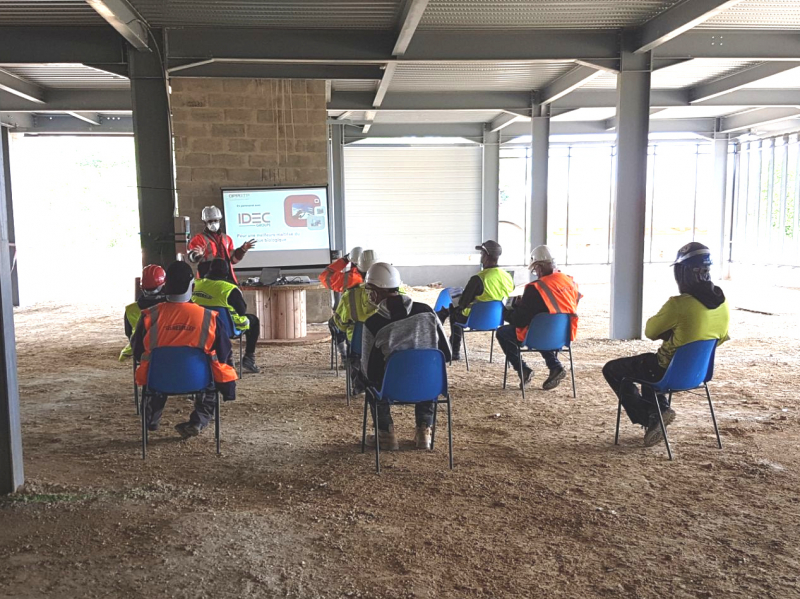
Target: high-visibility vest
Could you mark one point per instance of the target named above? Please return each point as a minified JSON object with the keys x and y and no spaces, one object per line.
{"x":560,"y":295}
{"x":182,"y":325}
{"x":335,"y":278}
{"x":217,"y":246}
{"x":214,"y":294}
{"x":132,"y":314}
{"x":497,"y":285}
{"x":354,"y":307}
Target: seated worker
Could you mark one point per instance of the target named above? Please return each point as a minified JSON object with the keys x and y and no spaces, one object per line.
{"x":700,"y":312}
{"x":491,"y":283}
{"x":353,"y":307}
{"x":398,"y":324}
{"x":341,"y":274}
{"x":178,"y":322}
{"x":152,"y":281}
{"x":553,"y":292}
{"x":216,"y":291}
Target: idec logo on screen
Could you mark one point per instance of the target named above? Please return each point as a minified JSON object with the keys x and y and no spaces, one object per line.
{"x":253,"y":218}
{"x":298,"y":209}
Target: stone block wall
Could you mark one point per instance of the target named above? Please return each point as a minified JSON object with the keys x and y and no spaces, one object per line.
{"x":246,"y":133}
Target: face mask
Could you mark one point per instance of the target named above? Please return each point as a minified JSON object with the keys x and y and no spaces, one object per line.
{"x":213,"y":225}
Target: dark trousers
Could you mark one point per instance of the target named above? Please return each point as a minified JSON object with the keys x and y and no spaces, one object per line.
{"x":507,"y":338}
{"x":423,"y":412}
{"x":251,"y":335}
{"x":644,"y":367}
{"x":456,"y":332}
{"x":204,"y":405}
{"x":339,"y":336}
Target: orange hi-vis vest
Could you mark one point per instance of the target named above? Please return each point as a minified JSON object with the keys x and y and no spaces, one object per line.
{"x":335,"y":278}
{"x":181,"y":324}
{"x":560,"y":295}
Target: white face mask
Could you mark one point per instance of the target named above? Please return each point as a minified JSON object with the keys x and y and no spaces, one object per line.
{"x":213,"y":225}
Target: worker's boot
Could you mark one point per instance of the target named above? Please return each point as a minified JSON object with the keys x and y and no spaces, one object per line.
{"x":456,"y":349}
{"x":527,"y":373}
{"x":342,"y":349}
{"x":557,"y":375}
{"x":423,"y":437}
{"x":249,"y":363}
{"x":387,"y":438}
{"x":187,"y":429}
{"x":653,"y":435}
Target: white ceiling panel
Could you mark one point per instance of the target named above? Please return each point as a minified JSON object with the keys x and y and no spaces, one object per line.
{"x":758,"y":14}
{"x":354,"y":85}
{"x":477,"y":76}
{"x":67,"y":76}
{"x":694,"y":112}
{"x":586,"y":114}
{"x":785,"y":80}
{"x":436,"y":116}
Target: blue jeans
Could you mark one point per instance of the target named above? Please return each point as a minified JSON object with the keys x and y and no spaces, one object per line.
{"x":507,"y":338}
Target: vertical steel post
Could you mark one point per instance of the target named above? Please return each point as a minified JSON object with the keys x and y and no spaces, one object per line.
{"x":12,"y":239}
{"x":11,"y":473}
{"x":337,"y":182}
{"x":540,"y":155}
{"x":633,"y":121}
{"x":720,"y":202}
{"x":490,"y":205}
{"x":152,"y":135}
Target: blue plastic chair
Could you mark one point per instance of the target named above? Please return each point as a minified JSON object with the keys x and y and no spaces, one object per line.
{"x":353,"y":351}
{"x":483,"y":316}
{"x":691,"y":367}
{"x":412,"y":376}
{"x":444,"y":300}
{"x":225,"y":320}
{"x":547,"y":332}
{"x":178,"y":371}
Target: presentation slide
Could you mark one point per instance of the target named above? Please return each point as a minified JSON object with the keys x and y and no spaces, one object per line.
{"x":290,"y":225}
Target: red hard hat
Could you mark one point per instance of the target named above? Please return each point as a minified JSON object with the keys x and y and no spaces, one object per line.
{"x":153,"y":277}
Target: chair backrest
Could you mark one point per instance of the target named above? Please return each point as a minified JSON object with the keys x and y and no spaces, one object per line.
{"x":549,"y":332}
{"x":414,"y":375}
{"x":485,"y":316}
{"x":444,"y":300}
{"x":225,"y":320}
{"x":179,"y":370}
{"x":691,"y":366}
{"x":355,"y":342}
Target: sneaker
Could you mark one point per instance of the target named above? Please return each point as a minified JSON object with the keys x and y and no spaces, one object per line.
{"x":387,"y":438}
{"x":249,"y":364}
{"x":187,"y":429}
{"x":527,"y":373}
{"x":557,"y":375}
{"x":653,"y":434}
{"x":423,"y":437}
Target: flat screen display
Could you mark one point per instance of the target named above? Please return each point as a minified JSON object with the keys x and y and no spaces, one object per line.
{"x":289,"y":224}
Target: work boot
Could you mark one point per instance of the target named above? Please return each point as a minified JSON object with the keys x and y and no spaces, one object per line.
{"x":249,"y":363}
{"x":653,"y":434}
{"x":423,"y":437}
{"x":387,"y":438}
{"x":527,"y":373}
{"x":153,"y":427}
{"x":187,"y":429}
{"x":456,"y":357}
{"x":342,"y":348}
{"x":557,"y":375}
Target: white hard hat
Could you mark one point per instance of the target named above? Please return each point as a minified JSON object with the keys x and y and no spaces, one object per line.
{"x":383,"y":276}
{"x":542,"y":254}
{"x":211,"y":213}
{"x":355,"y":254}
{"x":366,"y":259}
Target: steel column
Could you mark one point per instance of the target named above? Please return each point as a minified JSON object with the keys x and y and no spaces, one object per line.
{"x":12,"y":238}
{"x":153,"y":143}
{"x":627,"y":267}
{"x":491,"y":185}
{"x":540,"y":155}
{"x":11,"y":473}
{"x":339,"y":235}
{"x":721,"y":249}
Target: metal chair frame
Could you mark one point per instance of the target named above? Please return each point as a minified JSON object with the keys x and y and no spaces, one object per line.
{"x":662,"y":386}
{"x":478,"y":308}
{"x":135,"y":386}
{"x":358,"y":331}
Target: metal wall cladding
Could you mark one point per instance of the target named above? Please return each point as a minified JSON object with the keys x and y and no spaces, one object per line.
{"x":313,"y":14}
{"x":67,"y":76}
{"x":757,"y":14}
{"x":476,"y":76}
{"x":553,"y":14}
{"x":48,"y":12}
{"x":415,"y":205}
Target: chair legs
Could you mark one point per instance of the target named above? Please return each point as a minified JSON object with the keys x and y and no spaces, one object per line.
{"x":348,"y":384}
{"x":135,"y":388}
{"x":572,"y":372}
{"x":664,"y":428}
{"x":364,"y":427}
{"x":433,"y":424}
{"x":505,"y":374}
{"x":449,"y":432}
{"x":464,"y":343}
{"x":240,"y":354}
{"x":521,"y":376}
{"x":713,"y":417}
{"x":491,"y":349}
{"x":216,"y":422}
{"x":374,"y":410}
{"x":619,"y":413}
{"x":143,"y":410}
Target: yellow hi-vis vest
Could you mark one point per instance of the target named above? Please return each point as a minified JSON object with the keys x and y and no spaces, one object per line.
{"x":132,"y":314}
{"x":497,"y":285}
{"x":214,"y":294}
{"x":353,"y":307}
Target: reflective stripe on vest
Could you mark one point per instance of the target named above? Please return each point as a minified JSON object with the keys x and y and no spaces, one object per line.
{"x":560,"y":295}
{"x":550,"y":299}
{"x":497,"y":286}
{"x":205,"y":330}
{"x":211,"y":293}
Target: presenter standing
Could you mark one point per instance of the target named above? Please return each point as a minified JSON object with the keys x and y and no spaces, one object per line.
{"x":210,"y":244}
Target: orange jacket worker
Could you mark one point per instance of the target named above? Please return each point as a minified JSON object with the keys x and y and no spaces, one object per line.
{"x":211,"y":243}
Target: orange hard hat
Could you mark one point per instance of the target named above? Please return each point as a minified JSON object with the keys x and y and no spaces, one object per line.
{"x":153,"y":277}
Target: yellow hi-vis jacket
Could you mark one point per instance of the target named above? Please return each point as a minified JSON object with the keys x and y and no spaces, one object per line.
{"x":214,"y":294}
{"x":497,"y":285}
{"x":132,"y":313}
{"x":353,"y":307}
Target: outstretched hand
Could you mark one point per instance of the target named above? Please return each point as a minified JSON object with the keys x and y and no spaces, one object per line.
{"x":248,"y":245}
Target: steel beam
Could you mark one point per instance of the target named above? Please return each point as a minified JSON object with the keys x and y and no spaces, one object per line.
{"x":16,"y":120}
{"x":677,"y":20}
{"x":386,"y":80}
{"x":503,"y":120}
{"x":627,"y":267}
{"x":568,"y":83}
{"x":68,"y":125}
{"x":71,"y":100}
{"x":731,"y":83}
{"x":473,"y":131}
{"x":124,"y":18}
{"x":721,"y":226}
{"x":19,"y":87}
{"x":540,"y":158}
{"x":738,"y":44}
{"x":12,"y":476}
{"x":409,"y":21}
{"x":153,"y":147}
{"x":433,"y":101}
{"x":339,"y":231}
{"x":270,"y":70}
{"x":490,"y":204}
{"x":88,"y":117}
{"x":60,"y":45}
{"x":12,"y":237}
{"x":602,"y":98}
{"x":754,"y":118}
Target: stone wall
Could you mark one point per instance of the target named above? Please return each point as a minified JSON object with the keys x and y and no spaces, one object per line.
{"x":246,"y":133}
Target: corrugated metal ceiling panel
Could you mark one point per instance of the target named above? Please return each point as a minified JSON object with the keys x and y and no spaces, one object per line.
{"x":758,"y":14}
{"x":48,"y":12}
{"x":586,"y":114}
{"x":313,"y":14}
{"x":682,"y":75}
{"x":354,"y":85}
{"x":477,"y":76}
{"x":556,"y":14}
{"x":694,"y":112}
{"x":67,"y":76}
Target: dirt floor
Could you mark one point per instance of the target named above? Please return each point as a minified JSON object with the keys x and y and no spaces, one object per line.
{"x":540,"y":503}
